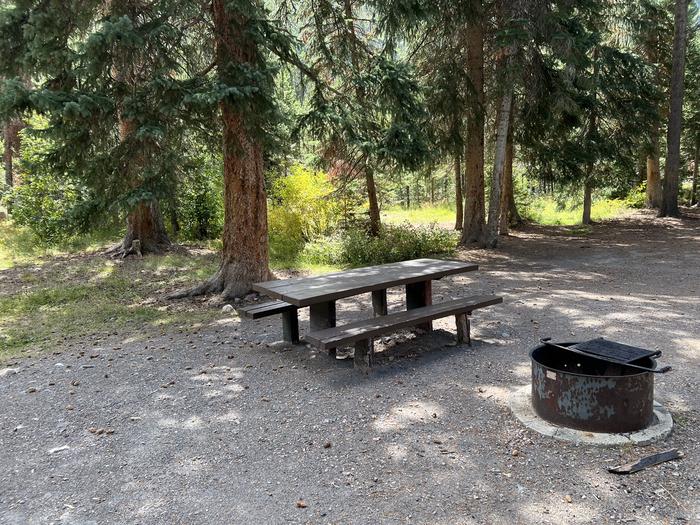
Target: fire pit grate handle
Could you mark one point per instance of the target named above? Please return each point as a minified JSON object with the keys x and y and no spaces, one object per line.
{"x":573,"y":349}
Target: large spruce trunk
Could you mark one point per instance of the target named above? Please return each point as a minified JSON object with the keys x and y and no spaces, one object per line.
{"x":489,"y":238}
{"x":145,"y":231}
{"x":144,"y":222}
{"x":244,"y":257}
{"x":653,"y":192}
{"x":474,"y":209}
{"x":669,"y":205}
{"x":459,"y":199}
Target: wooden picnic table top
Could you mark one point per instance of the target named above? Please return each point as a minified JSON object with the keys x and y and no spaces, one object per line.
{"x":332,"y":286}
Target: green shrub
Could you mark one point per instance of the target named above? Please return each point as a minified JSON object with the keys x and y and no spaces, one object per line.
{"x":200,"y":200}
{"x":637,"y":197}
{"x":397,"y":243}
{"x":302,"y":210}
{"x":324,"y":251}
{"x":354,"y":247}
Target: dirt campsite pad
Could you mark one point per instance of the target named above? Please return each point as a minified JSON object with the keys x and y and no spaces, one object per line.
{"x":222,"y":423}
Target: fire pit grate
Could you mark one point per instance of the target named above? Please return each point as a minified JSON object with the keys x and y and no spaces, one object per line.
{"x":615,"y":351}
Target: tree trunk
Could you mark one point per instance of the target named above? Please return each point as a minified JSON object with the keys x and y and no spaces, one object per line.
{"x":669,"y":206}
{"x":474,"y":211}
{"x":145,"y":231}
{"x":590,"y":137}
{"x":653,"y":175}
{"x":587,"y":199}
{"x":696,"y":160}
{"x":375,"y":222}
{"x":507,"y":197}
{"x":12,"y":150}
{"x":244,"y":257}
{"x":490,"y":236}
{"x":144,"y":222}
{"x":459,"y":200}
{"x":174,"y":220}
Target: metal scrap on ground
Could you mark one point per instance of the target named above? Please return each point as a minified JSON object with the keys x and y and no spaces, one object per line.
{"x":647,"y":461}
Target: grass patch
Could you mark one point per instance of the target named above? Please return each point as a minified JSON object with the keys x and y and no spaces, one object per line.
{"x":20,"y":246}
{"x":74,"y":296}
{"x":545,"y":210}
{"x":423,"y":215}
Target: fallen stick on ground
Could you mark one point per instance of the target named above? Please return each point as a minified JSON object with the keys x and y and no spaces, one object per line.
{"x":648,"y":461}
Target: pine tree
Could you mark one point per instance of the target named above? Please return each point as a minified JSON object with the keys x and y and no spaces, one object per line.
{"x":669,"y":207}
{"x":119,"y":82}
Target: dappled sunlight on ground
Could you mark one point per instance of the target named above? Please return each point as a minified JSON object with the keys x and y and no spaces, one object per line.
{"x":215,"y":421}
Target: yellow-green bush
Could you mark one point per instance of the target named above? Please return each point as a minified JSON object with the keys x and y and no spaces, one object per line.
{"x":302,"y":209}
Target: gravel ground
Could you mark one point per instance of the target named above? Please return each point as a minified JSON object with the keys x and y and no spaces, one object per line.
{"x":225,"y":424}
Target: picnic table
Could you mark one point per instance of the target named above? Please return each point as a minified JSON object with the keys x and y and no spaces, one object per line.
{"x":320,"y":294}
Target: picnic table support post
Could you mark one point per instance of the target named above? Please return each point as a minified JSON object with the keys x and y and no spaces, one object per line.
{"x":290,"y":326}
{"x":364,"y":354}
{"x":321,"y":316}
{"x":379,"y":303}
{"x":417,"y":295}
{"x":463,"y":328}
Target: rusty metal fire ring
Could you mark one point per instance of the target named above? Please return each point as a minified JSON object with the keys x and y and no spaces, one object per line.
{"x":573,"y":391}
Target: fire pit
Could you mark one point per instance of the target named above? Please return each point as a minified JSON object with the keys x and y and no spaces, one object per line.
{"x":596,"y":386}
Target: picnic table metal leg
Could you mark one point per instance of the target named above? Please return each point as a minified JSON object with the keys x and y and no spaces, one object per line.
{"x":290,"y":326}
{"x":379,"y":302}
{"x":417,"y":295}
{"x":321,"y":316}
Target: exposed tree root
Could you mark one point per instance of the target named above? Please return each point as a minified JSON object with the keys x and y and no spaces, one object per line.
{"x":230,"y":281}
{"x":120,"y":251}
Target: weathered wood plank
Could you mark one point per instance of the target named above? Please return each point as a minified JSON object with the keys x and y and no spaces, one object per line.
{"x":368,"y":328}
{"x":256,"y":311}
{"x":321,"y":317}
{"x":418,"y":295}
{"x":379,"y":302}
{"x":306,"y":291}
{"x":463,"y":329}
{"x":364,"y":354}
{"x":290,"y":326}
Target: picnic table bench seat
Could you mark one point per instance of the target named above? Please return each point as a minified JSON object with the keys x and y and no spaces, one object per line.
{"x":290,"y":320}
{"x":362,"y":332}
{"x":259,"y":310}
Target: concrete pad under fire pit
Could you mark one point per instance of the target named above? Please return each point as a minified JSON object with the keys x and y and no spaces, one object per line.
{"x":521,"y":406}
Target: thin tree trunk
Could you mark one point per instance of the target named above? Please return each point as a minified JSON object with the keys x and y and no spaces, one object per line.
{"x":490,"y":235}
{"x":592,"y":131}
{"x":459,"y":200}
{"x":653,"y":175}
{"x":375,"y":222}
{"x":669,"y":207}
{"x":244,"y":257}
{"x":12,"y":150}
{"x":474,"y":210}
{"x":696,"y":160}
{"x":587,"y":199}
{"x":174,"y":220}
{"x":507,"y":198}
